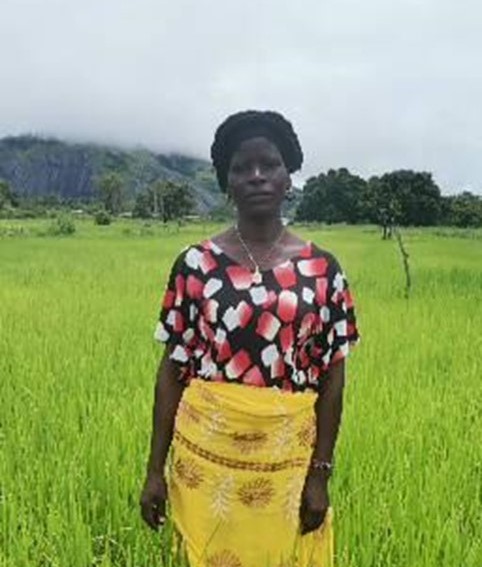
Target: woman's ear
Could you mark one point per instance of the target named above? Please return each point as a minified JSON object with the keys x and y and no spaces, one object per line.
{"x":289,"y":190}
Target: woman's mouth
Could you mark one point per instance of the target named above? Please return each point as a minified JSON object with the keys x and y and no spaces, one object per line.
{"x":260,"y":196}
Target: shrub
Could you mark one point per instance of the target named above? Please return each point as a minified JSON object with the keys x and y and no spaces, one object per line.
{"x":102,"y":218}
{"x":63,"y":225}
{"x":10,"y":231}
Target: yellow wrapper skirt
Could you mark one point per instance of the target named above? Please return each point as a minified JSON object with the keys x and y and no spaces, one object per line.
{"x":238,"y":463}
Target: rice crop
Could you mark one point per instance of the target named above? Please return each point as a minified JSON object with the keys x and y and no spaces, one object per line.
{"x":77,"y":367}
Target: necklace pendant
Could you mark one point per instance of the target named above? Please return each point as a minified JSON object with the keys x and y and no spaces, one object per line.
{"x":257,"y":276}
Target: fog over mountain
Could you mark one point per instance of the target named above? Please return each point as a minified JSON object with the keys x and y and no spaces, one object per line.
{"x":40,"y":167}
{"x":372,"y":86}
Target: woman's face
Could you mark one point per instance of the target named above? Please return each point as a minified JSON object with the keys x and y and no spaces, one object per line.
{"x":257,"y":178}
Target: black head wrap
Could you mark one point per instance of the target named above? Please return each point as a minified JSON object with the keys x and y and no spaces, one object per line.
{"x":252,"y":124}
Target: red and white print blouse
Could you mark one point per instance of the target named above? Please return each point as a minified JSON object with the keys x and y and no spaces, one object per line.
{"x":284,"y":332}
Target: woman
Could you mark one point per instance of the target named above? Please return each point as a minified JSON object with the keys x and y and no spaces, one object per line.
{"x":248,"y":396}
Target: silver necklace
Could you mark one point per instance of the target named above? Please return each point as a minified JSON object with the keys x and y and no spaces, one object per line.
{"x":257,"y":275}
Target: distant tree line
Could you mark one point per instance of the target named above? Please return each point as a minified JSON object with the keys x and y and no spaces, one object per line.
{"x":402,"y":198}
{"x":163,"y":199}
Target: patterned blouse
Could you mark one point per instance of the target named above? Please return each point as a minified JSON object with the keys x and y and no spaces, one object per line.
{"x":284,"y":332}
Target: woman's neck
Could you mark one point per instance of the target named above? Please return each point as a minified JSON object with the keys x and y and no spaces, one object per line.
{"x":260,"y":229}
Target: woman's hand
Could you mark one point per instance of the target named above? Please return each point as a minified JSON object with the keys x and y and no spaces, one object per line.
{"x":153,"y":501}
{"x":315,"y":501}
{"x":328,"y":409}
{"x":167,"y":395}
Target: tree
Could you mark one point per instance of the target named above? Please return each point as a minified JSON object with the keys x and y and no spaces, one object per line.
{"x":174,"y":200}
{"x":312,"y":202}
{"x":159,"y":195}
{"x":332,"y":197}
{"x":143,"y":207}
{"x":381,"y":206}
{"x":400,"y":197}
{"x":7,"y":196}
{"x":111,"y":191}
{"x":166,"y":200}
{"x":409,"y":197}
{"x":462,"y":210}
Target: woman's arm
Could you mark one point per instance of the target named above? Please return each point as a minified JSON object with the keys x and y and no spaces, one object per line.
{"x":328,"y":408}
{"x":167,"y":395}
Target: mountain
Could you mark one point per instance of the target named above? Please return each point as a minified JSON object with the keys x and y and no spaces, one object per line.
{"x":36,"y":166}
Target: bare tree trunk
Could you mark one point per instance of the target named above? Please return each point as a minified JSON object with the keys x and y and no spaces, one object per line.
{"x":163,"y":210}
{"x":406,"y":265}
{"x":155,"y":199}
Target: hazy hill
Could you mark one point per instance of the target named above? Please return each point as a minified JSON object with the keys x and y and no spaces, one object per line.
{"x":37,"y":166}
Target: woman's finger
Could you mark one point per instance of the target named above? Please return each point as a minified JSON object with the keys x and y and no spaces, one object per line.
{"x":160,"y":504}
{"x":147,"y":514}
{"x":152,"y":515}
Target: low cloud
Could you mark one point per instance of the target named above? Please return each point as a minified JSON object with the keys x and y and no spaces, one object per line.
{"x":370,"y":86}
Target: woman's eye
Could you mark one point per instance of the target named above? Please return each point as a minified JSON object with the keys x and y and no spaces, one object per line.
{"x":246,"y":168}
{"x":270,"y":164}
{"x":238,"y":168}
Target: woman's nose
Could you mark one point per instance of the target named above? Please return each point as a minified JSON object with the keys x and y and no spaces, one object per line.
{"x":257,"y":174}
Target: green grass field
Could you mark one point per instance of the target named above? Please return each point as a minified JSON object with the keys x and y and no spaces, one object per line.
{"x":77,"y":366}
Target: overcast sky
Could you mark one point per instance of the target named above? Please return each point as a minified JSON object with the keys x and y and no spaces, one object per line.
{"x":371,"y":85}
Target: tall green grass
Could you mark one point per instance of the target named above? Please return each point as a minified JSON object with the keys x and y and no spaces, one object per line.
{"x":77,"y":365}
